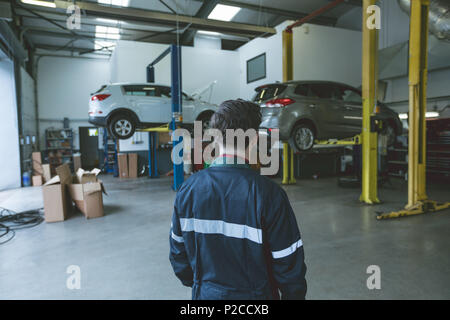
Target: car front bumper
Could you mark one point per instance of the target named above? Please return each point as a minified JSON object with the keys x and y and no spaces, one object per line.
{"x":98,"y":121}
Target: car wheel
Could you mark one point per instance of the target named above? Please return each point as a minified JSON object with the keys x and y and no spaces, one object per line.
{"x":389,"y":132}
{"x":122,"y":127}
{"x":302,"y":138}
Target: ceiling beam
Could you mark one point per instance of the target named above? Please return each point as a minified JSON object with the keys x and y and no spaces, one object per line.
{"x":168,"y":19}
{"x":72,"y":49}
{"x":204,"y":11}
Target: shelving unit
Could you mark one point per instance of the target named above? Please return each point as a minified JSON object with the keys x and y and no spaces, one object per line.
{"x":59,"y":147}
{"x":109,"y":154}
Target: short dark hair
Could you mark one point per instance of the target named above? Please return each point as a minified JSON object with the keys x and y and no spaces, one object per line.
{"x":236,"y":114}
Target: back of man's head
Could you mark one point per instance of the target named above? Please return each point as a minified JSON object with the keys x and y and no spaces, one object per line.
{"x":236,"y":114}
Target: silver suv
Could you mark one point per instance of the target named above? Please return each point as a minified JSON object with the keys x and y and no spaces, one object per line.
{"x":123,"y":108}
{"x":305,"y":111}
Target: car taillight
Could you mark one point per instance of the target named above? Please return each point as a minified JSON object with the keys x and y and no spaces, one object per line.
{"x":277,"y":103}
{"x":100,"y":97}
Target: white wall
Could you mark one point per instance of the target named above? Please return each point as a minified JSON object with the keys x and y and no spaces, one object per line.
{"x":327,"y":53}
{"x":200,"y":67}
{"x":9,"y":129}
{"x":320,"y":53}
{"x":64,"y":88}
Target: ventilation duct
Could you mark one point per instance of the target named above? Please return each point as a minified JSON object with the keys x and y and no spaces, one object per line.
{"x":439,"y":17}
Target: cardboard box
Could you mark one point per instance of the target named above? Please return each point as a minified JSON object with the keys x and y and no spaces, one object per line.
{"x":57,"y":203}
{"x":76,"y":162}
{"x":46,"y":172}
{"x":132,"y":165}
{"x":87,"y":193}
{"x":36,"y":158}
{"x":164,"y":138}
{"x":37,"y":181}
{"x":122,"y":160}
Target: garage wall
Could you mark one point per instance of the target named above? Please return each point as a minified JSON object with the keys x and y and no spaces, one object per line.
{"x":64,"y":88}
{"x":311,"y":43}
{"x":9,"y":128}
{"x":201,"y":66}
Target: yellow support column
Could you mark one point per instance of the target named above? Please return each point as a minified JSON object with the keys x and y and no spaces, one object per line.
{"x":418,"y":201}
{"x":417,"y":102}
{"x":288,"y":72}
{"x":369,"y":88}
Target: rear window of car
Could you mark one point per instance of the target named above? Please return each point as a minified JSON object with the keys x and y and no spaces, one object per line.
{"x":100,"y":90}
{"x":268,"y":92}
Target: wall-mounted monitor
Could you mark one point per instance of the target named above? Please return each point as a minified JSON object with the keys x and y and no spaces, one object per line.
{"x":256,"y":68}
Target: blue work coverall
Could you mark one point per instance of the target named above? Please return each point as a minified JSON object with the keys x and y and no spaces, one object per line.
{"x":234,"y":236}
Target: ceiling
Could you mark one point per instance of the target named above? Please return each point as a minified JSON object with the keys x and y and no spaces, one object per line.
{"x":160,"y":21}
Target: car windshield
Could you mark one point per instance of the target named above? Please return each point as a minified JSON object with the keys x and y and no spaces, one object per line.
{"x":265,"y":93}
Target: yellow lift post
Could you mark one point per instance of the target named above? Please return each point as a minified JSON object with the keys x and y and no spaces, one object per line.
{"x":418,"y":201}
{"x":288,"y":71}
{"x":369,"y":89}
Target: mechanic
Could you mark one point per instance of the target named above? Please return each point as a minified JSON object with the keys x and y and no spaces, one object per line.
{"x":234,"y":234}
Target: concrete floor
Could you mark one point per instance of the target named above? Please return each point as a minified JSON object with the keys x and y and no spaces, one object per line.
{"x":124,"y":255}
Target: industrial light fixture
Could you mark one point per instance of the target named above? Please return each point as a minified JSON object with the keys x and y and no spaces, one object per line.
{"x":430,"y":114}
{"x":40,"y":3}
{"x":120,"y":3}
{"x":209,"y":33}
{"x":223,"y":12}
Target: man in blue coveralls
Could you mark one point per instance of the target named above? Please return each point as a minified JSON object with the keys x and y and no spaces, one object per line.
{"x":234,"y":234}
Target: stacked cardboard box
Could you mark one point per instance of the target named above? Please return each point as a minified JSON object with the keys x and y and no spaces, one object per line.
{"x":41,"y":172}
{"x":128,"y":164}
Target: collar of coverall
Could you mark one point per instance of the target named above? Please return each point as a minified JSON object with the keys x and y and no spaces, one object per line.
{"x":224,"y":161}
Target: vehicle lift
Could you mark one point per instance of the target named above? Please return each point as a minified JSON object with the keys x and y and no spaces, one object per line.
{"x":178,"y":172}
{"x":418,"y":201}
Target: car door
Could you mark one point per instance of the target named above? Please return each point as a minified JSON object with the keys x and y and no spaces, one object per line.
{"x":329,"y":111}
{"x":166,"y":103}
{"x":352,"y":104}
{"x":145,"y":101}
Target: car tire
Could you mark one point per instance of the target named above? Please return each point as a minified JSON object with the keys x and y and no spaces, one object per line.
{"x":122,"y":127}
{"x":302,"y":137}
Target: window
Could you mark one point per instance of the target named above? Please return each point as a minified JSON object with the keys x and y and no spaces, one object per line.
{"x":148,"y":91}
{"x":256,"y":68}
{"x":268,"y":92}
{"x":166,"y":92}
{"x":302,"y":90}
{"x":349,"y":94}
{"x":322,"y":90}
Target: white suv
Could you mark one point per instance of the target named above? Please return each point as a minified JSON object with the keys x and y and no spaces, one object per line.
{"x":123,"y":108}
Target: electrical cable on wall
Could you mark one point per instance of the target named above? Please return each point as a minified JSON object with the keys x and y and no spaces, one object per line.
{"x":11,"y":221}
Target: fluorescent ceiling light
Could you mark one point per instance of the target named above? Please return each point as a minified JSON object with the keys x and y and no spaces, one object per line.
{"x":107,"y":32}
{"x":209,"y":33}
{"x":120,"y":3}
{"x":40,"y":3}
{"x":223,"y":12}
{"x":430,"y":114}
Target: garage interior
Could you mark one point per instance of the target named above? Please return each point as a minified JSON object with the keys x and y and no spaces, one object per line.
{"x":359,"y":202}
